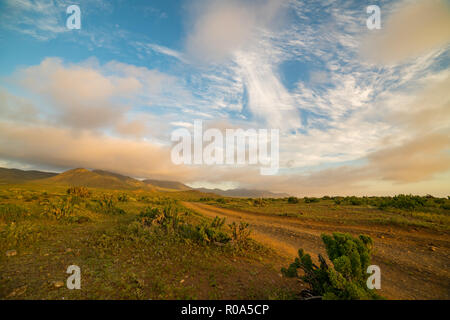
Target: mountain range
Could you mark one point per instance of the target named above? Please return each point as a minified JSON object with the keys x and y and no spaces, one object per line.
{"x":110,"y":180}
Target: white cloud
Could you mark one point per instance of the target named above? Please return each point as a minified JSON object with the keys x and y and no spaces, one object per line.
{"x":413,"y":29}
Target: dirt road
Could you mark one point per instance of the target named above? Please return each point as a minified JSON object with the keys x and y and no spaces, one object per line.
{"x":414,"y":264}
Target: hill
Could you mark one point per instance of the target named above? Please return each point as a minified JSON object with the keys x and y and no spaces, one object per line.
{"x":95,"y":179}
{"x":19,"y":176}
{"x":109,"y":180}
{"x":175,"y":185}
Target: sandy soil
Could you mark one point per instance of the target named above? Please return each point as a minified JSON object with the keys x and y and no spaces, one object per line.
{"x":415,"y":264}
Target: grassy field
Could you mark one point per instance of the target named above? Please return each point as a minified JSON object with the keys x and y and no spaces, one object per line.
{"x":43,"y":230}
{"x":402,"y":211}
{"x":146,"y":244}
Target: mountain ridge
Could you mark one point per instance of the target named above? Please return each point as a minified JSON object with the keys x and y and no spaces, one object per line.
{"x":98,"y":178}
{"x":12,"y":175}
{"x":167,"y":184}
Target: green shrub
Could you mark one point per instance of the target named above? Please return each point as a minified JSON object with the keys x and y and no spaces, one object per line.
{"x":311,"y":200}
{"x":170,"y":220}
{"x":123,"y":197}
{"x":107,"y":205}
{"x":292,"y":200}
{"x":148,"y":215}
{"x":401,"y":201}
{"x":346,"y":279}
{"x":22,"y":234}
{"x":62,"y":208}
{"x":167,"y":218}
{"x":258,"y":202}
{"x":12,"y":212}
{"x":445,"y":206}
{"x":81,"y":192}
{"x":240,"y":233}
{"x":205,"y":233}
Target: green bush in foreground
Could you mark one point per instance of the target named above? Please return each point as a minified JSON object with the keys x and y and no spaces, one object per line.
{"x":346,"y":279}
{"x":169,"y":219}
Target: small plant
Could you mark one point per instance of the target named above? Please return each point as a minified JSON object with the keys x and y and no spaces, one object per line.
{"x":148,"y":215}
{"x":168,"y":218}
{"x":217,"y":222}
{"x":240,"y":233}
{"x":205,"y":233}
{"x":123,"y":197}
{"x":346,"y":279}
{"x":107,"y":205}
{"x":61,"y":209}
{"x":258,"y":202}
{"x":81,"y":192}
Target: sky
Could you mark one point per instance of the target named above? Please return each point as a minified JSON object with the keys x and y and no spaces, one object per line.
{"x":360,"y":111}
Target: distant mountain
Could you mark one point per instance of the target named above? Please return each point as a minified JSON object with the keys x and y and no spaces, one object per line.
{"x":125,"y":179}
{"x":244,"y":193}
{"x":19,"y":176}
{"x":175,"y":185}
{"x":95,"y":179}
{"x":110,"y":180}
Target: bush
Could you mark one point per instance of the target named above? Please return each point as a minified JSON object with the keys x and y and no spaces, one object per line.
{"x":401,"y":201}
{"x":169,"y":220}
{"x":22,"y":234}
{"x":346,"y":279}
{"x":61,"y":209}
{"x":148,"y":214}
{"x":205,"y":233}
{"x":292,"y":200}
{"x":81,"y":192}
{"x":240,"y":233}
{"x":107,"y":205}
{"x":258,"y":202}
{"x":12,"y":212}
{"x":123,"y":197}
{"x":311,"y":200}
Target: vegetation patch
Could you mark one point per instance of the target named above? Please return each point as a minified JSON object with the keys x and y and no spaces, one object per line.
{"x":346,"y":279}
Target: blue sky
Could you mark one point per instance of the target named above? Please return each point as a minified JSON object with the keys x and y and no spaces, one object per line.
{"x":344,"y":97}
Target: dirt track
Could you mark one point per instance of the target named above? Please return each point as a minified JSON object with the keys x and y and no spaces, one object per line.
{"x":410,"y":269}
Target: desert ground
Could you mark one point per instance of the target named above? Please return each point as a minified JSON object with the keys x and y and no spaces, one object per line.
{"x":415,"y":263}
{"x":147,"y":242}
